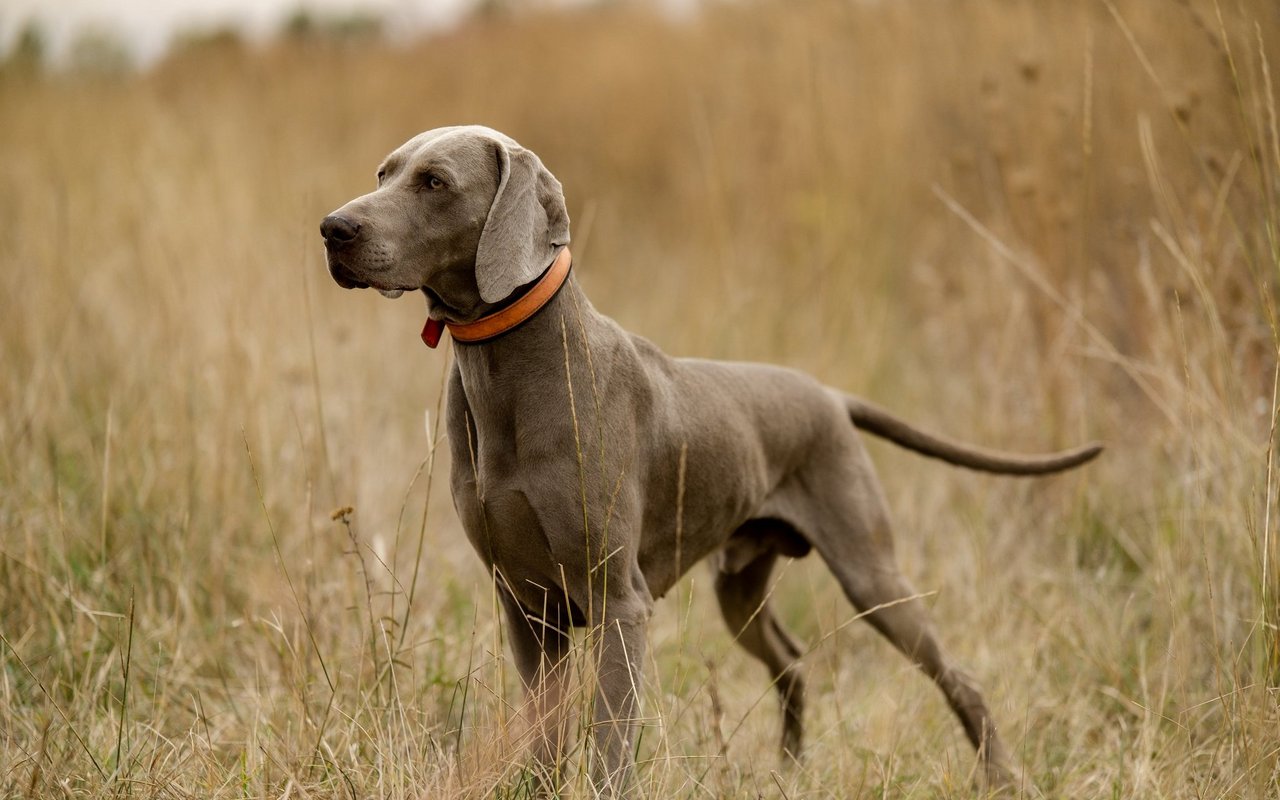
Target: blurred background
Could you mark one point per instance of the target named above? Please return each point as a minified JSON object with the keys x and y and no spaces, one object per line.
{"x":229,"y":565}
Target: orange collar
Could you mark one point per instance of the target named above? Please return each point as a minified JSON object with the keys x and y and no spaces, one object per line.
{"x":505,"y":319}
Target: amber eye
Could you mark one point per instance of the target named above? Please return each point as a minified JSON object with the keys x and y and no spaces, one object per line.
{"x":382,"y":173}
{"x":434,"y":183}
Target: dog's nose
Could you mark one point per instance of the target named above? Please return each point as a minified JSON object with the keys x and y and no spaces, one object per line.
{"x":338,"y":230}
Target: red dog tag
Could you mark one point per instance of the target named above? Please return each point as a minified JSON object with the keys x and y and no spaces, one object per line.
{"x":431,"y":332}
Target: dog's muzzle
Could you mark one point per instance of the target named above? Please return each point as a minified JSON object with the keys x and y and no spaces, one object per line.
{"x":338,"y":231}
{"x":343,"y":276}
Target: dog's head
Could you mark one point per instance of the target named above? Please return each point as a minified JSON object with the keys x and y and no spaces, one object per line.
{"x":464,"y":214}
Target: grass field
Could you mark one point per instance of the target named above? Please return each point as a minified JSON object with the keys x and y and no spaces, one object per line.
{"x":1028,"y":224}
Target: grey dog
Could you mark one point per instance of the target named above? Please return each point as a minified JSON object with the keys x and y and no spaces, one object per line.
{"x":591,"y":470}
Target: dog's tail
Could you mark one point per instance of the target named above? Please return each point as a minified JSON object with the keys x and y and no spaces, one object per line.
{"x":875,"y":420}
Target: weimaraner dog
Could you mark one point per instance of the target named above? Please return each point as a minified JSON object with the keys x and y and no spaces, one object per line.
{"x":591,"y":471}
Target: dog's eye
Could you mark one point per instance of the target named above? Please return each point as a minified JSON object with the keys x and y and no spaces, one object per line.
{"x":432,"y":182}
{"x":382,"y":173}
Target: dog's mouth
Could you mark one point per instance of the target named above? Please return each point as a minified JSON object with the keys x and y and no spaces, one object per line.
{"x":345,"y":278}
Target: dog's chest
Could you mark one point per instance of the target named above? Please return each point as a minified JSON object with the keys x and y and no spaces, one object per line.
{"x":495,"y":480}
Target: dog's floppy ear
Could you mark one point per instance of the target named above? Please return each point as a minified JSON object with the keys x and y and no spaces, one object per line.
{"x":527,"y":225}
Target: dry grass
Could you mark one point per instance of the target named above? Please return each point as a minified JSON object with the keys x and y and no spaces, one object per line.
{"x":1027,"y":223}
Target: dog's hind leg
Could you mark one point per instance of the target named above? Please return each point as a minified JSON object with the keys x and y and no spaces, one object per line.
{"x":852,"y":534}
{"x":744,"y":602}
{"x":883,"y":594}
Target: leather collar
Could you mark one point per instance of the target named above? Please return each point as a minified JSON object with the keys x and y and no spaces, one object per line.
{"x":509,"y":317}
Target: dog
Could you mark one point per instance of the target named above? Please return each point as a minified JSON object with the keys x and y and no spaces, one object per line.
{"x":591,"y":471}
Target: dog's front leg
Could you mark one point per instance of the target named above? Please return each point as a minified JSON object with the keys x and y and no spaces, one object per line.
{"x":620,"y":648}
{"x":540,"y":646}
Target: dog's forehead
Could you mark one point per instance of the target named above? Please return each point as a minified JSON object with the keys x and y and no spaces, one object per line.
{"x":452,"y":138}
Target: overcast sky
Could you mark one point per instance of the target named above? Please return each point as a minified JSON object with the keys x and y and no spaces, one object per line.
{"x":147,"y":26}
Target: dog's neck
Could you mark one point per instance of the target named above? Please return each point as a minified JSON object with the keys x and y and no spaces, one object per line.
{"x":504,"y":317}
{"x":524,"y":346}
{"x":527,"y":365}
{"x":525,"y":304}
